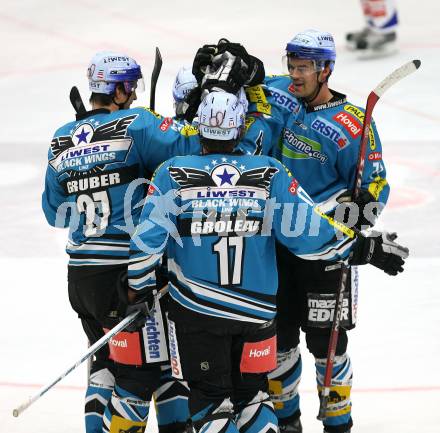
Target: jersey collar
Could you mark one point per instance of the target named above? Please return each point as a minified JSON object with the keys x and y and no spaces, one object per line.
{"x":81,"y":116}
{"x":338,"y":99}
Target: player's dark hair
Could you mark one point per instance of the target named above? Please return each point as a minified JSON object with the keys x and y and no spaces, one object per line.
{"x":103,"y":99}
{"x":218,"y":146}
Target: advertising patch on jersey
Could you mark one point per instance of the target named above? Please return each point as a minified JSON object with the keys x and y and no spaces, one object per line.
{"x":166,"y":123}
{"x":354,"y":293}
{"x":223,"y":185}
{"x":360,"y":115}
{"x":299,"y":147}
{"x":256,"y":95}
{"x":176,"y":366}
{"x":293,"y":187}
{"x":329,"y":130}
{"x":91,"y":144}
{"x":153,"y":332}
{"x":151,"y":189}
{"x":284,"y":99}
{"x":321,"y":309}
{"x":125,"y":348}
{"x":249,"y":121}
{"x":259,"y":356}
{"x":376,"y":187}
{"x":186,"y":130}
{"x":375,"y":156}
{"x":349,"y":122}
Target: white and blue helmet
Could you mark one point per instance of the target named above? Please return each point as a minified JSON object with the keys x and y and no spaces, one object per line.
{"x":313,"y":45}
{"x":221,"y":116}
{"x":184,"y":83}
{"x":108,"y":68}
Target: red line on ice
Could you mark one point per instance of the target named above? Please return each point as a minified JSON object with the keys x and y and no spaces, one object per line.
{"x":355,"y":390}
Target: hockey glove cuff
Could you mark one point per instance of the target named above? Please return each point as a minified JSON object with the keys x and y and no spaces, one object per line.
{"x":380,"y":250}
{"x":133,"y":300}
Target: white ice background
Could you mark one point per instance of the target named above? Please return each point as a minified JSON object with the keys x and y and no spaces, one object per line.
{"x":45,"y":49}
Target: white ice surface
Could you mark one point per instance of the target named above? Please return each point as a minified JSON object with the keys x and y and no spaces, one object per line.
{"x":46,"y":46}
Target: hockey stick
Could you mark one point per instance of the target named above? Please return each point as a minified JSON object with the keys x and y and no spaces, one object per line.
{"x":76,"y":101}
{"x":94,"y":348}
{"x":372,"y":99}
{"x":154,"y":77}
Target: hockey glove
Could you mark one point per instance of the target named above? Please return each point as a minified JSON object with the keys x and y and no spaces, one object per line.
{"x":251,"y":71}
{"x":202,"y":59}
{"x":133,"y":300}
{"x":193,"y":100}
{"x":380,"y":250}
{"x":226,"y":72}
{"x":365,"y":217}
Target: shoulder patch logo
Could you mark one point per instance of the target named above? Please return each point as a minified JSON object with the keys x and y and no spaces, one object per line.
{"x":359,"y":114}
{"x":166,"y":123}
{"x":353,"y":127}
{"x":91,"y":144}
{"x":223,"y":175}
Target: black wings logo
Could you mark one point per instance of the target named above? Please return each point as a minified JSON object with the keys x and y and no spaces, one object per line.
{"x":192,"y":177}
{"x":113,"y":130}
{"x":257,"y":177}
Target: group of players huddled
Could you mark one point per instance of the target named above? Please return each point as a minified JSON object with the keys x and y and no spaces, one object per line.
{"x":229,"y":226}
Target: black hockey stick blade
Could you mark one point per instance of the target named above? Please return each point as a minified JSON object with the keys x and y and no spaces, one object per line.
{"x":76,"y":101}
{"x":154,"y":77}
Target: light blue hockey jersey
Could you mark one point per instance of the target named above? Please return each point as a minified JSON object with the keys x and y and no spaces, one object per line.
{"x":95,"y":178}
{"x":320,"y":145}
{"x":217,"y":217}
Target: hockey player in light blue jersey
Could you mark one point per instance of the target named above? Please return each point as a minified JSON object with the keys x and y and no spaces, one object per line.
{"x":94,"y":186}
{"x":217,"y":217}
{"x":319,"y":142}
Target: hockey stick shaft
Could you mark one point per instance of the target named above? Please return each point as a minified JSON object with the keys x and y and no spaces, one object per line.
{"x":76,"y":101}
{"x":154,"y":77}
{"x":94,"y":348}
{"x":372,"y":99}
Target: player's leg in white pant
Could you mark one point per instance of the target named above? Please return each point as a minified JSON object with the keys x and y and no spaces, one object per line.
{"x":283,"y":385}
{"x":338,"y":418}
{"x":379,"y":34}
{"x":98,"y":394}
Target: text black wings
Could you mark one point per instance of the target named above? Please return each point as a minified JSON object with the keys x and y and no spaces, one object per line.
{"x":190,"y":177}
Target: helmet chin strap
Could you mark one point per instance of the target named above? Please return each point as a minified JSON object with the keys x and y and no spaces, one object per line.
{"x":310,"y":99}
{"x":121,"y":105}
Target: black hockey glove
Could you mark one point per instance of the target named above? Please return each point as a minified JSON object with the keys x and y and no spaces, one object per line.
{"x":202,"y":59}
{"x":348,"y":209}
{"x":193,"y":100}
{"x":251,"y":71}
{"x":380,"y":250}
{"x":143,"y":301}
{"x":227,"y":67}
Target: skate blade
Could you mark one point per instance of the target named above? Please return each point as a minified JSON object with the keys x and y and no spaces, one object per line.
{"x":350,"y":45}
{"x":386,"y":50}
